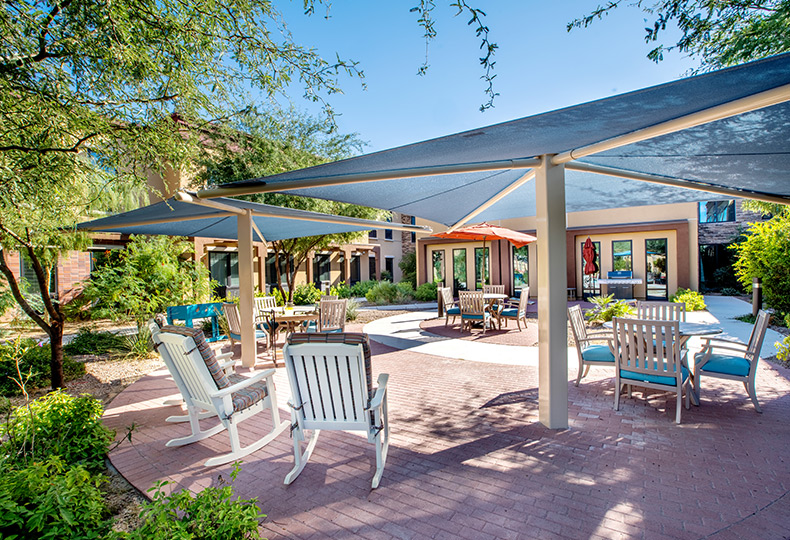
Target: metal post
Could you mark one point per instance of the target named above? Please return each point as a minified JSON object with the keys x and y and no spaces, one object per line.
{"x":552,"y":296}
{"x":757,"y":295}
{"x":246,"y":290}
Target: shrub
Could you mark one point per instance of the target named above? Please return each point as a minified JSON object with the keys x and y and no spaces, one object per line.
{"x":52,"y":500}
{"x":57,"y":424}
{"x":405,"y":288}
{"x":90,"y":342}
{"x":211,"y":514}
{"x":342,"y":290}
{"x":386,"y":275}
{"x":34,"y":364}
{"x":384,"y":293}
{"x":426,"y":292}
{"x":605,"y":308}
{"x":362,"y":288}
{"x":306,"y":294}
{"x":784,"y":349}
{"x":765,"y":253}
{"x":694,"y":301}
{"x":729,"y":291}
{"x":408,"y":268}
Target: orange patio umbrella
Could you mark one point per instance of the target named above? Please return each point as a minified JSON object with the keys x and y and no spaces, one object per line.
{"x":484,"y":232}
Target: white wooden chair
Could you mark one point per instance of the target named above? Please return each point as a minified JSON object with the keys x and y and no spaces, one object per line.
{"x":473,"y":309}
{"x":648,"y":353}
{"x":590,"y":354}
{"x":208,"y":391}
{"x":231,"y":311}
{"x":332,"y":315}
{"x":661,"y":311}
{"x":263,"y":306}
{"x":451,"y":308}
{"x":331,"y":389}
{"x":732,"y":360}
{"x":516,"y":310}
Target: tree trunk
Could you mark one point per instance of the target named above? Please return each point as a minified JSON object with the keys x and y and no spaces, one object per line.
{"x":56,"y":358}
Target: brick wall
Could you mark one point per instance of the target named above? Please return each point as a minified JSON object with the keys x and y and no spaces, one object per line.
{"x":405,"y":237}
{"x":73,"y":269}
{"x":726,"y":232}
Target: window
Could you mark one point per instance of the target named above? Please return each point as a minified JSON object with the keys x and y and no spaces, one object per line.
{"x":716,"y":211}
{"x":459,"y":270}
{"x":322,"y":267}
{"x":621,"y":256}
{"x":371,"y":267}
{"x":373,"y":234}
{"x":715,"y":267}
{"x":438,"y":266}
{"x":271,"y":271}
{"x":520,"y":267}
{"x":389,"y":265}
{"x":355,"y":269}
{"x":29,"y":274}
{"x":656,"y":268}
{"x":413,"y":235}
{"x":388,"y":232}
{"x":590,"y":285}
{"x":481,"y":267}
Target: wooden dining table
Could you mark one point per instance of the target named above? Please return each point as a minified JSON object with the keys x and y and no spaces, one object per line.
{"x":292,"y":319}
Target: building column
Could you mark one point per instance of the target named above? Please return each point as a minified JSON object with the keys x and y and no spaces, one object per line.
{"x":552,"y":295}
{"x":347,"y":263}
{"x":246,"y":290}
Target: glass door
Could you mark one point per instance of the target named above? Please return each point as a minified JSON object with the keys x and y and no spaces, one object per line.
{"x":459,"y":270}
{"x":656,"y":268}
{"x":520,"y":269}
{"x":438,"y":267}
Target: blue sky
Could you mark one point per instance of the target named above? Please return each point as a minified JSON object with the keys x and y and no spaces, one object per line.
{"x":539,"y":65}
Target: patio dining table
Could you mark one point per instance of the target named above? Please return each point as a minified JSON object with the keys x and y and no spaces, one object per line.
{"x":291,"y":319}
{"x":493,"y":299}
{"x":689,"y":330}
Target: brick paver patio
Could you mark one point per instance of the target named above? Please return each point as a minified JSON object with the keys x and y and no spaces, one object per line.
{"x":469,"y":459}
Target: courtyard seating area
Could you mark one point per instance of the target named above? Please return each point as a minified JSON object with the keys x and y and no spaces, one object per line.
{"x":469,"y":459}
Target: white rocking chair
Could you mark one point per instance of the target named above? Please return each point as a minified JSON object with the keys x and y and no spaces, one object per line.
{"x":208,"y":391}
{"x":331,"y":389}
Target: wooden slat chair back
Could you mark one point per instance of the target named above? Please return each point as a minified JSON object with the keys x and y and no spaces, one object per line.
{"x":661,"y":311}
{"x":451,"y":308}
{"x":516,"y":310}
{"x":332,"y":317}
{"x":493,"y":289}
{"x":590,"y":354}
{"x":329,"y":297}
{"x":473,"y":309}
{"x":731,"y":360}
{"x":264,"y":305}
{"x":331,"y":388}
{"x":208,"y":390}
{"x":648,"y":353}
{"x":231,"y":311}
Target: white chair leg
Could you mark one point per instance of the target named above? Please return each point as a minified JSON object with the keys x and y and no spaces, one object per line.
{"x":382,"y":443}
{"x":185,"y":418}
{"x":197,"y":434}
{"x":300,"y":459}
{"x":238,"y":451}
{"x":753,"y":394}
{"x":678,"y":405}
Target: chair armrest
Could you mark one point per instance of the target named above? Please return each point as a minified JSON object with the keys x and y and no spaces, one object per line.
{"x":267,"y":373}
{"x":381,"y":391}
{"x":599,"y":335}
{"x":723,"y":344}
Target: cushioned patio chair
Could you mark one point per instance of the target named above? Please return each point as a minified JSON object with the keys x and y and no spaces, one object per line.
{"x":731,"y":360}
{"x":516,"y":310}
{"x":590,"y":354}
{"x":473,"y":310}
{"x":206,"y":387}
{"x":451,"y":308}
{"x":648,"y":354}
{"x":331,"y":389}
{"x":332,"y":316}
{"x":234,"y":326}
{"x":661,"y":311}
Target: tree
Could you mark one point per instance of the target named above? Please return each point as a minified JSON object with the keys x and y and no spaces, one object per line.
{"x":720,"y":32}
{"x":264,"y":144}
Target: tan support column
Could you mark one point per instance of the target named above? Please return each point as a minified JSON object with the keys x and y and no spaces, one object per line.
{"x":552,"y":299}
{"x":347,"y":263}
{"x":246,"y":290}
{"x":377,"y":251}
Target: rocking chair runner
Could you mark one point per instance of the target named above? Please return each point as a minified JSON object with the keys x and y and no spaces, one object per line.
{"x":205,"y":386}
{"x":331,"y":389}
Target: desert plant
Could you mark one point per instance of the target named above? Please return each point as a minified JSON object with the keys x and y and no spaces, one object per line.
{"x":426,"y":292}
{"x":57,"y":424}
{"x":211,"y":514}
{"x":89,"y":342}
{"x":730,"y":291}
{"x":342,"y":290}
{"x":306,"y":294}
{"x":352,"y":307}
{"x":385,"y":292}
{"x":784,"y":349}
{"x":408,"y":268}
{"x":605,"y":308}
{"x":361,"y":288}
{"x":405,"y":288}
{"x":694,"y":301}
{"x":28,"y":361}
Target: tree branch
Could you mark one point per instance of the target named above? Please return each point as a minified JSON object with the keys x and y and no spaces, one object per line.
{"x":17,"y":294}
{"x":73,"y":150}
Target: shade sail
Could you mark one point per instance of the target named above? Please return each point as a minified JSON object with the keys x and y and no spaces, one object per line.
{"x":176,"y":218}
{"x":484,"y":232}
{"x":749,"y":151}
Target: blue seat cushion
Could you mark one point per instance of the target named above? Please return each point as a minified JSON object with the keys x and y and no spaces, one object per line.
{"x":728,"y":365}
{"x":259,"y":334}
{"x":655,"y":379}
{"x":334,"y":331}
{"x":598,"y":353}
{"x":453,"y":311}
{"x":510,"y":312}
{"x":474,"y":317}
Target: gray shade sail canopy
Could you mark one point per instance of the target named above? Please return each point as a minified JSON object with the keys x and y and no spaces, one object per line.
{"x":747,"y":152}
{"x":177,"y":218}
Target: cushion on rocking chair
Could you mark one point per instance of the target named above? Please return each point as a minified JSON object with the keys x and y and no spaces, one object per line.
{"x":351,"y":338}
{"x":249,"y":396}
{"x":206,"y":352}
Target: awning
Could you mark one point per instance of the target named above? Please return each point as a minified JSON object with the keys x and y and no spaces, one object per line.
{"x":745,"y":153}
